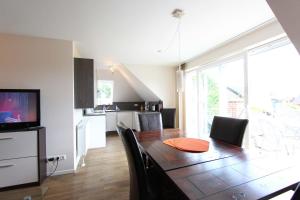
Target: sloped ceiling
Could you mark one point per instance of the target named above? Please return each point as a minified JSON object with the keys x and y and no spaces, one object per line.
{"x":123,"y":91}
{"x":143,"y":91}
{"x":132,"y":31}
{"x":288,"y":14}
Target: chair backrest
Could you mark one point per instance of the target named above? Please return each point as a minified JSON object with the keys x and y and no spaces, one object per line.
{"x":139,"y":186}
{"x":229,"y":130}
{"x":168,"y":117}
{"x":296,"y":195}
{"x":150,"y":121}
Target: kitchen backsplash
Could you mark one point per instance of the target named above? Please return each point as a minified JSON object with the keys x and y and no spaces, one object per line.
{"x":128,"y":106}
{"x":122,"y":106}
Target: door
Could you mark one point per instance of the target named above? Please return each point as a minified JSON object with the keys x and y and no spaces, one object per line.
{"x":221,"y":92}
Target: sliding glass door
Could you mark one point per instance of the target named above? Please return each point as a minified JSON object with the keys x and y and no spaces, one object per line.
{"x":221,"y":88}
{"x":216,"y":90}
{"x":261,"y":85}
{"x":274,"y":97}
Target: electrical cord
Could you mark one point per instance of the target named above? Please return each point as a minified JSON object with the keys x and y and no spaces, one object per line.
{"x":55,"y":167}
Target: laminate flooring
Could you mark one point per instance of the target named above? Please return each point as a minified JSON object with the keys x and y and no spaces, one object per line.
{"x":105,"y":176}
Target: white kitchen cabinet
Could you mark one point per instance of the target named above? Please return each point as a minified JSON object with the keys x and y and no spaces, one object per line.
{"x":125,"y":117}
{"x":135,"y":121}
{"x":111,"y":121}
{"x":96,"y":131}
{"x":129,"y":118}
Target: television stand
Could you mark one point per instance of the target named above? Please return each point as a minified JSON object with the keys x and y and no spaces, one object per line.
{"x":22,"y":158}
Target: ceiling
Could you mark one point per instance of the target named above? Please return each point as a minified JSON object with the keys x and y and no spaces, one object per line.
{"x":131,"y":32}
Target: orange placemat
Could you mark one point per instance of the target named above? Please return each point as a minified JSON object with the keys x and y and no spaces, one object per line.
{"x":188,"y":144}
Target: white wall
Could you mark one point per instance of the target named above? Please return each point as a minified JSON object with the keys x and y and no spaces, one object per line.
{"x":160,"y":80}
{"x":78,"y":113}
{"x":45,"y":64}
{"x":262,"y":33}
{"x":123,"y":92}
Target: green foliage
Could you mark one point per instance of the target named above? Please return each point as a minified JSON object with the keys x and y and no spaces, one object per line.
{"x":105,"y":91}
{"x":213,"y":97}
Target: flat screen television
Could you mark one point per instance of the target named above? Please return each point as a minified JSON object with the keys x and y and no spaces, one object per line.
{"x":19,"y":109}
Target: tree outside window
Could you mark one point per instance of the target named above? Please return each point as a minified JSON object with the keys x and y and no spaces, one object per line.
{"x":105,"y":92}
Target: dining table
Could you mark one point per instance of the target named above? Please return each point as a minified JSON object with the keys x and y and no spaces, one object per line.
{"x":225,"y":171}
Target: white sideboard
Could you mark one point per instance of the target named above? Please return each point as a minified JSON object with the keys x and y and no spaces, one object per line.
{"x":22,"y":158}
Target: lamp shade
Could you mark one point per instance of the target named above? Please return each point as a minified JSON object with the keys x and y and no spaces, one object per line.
{"x":180,"y":80}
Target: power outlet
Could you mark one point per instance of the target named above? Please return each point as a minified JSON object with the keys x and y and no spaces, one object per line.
{"x":62,"y":157}
{"x":57,"y":157}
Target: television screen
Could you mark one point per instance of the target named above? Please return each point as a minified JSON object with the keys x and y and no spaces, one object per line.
{"x":19,"y":107}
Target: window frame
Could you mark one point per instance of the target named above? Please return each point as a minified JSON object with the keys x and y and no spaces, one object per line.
{"x":244,"y":54}
{"x":110,"y":82}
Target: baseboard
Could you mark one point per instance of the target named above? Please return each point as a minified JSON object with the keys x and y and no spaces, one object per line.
{"x":62,"y":172}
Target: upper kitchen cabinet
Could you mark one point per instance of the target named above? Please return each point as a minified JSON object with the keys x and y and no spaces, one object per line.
{"x":84,"y":83}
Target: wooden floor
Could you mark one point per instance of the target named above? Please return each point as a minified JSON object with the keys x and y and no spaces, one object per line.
{"x":105,"y":176}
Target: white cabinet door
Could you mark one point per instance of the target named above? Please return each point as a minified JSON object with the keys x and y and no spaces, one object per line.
{"x":18,"y":171}
{"x":135,"y":121}
{"x":95,"y":130}
{"x":125,"y":117}
{"x":18,"y":144}
{"x":111,"y":121}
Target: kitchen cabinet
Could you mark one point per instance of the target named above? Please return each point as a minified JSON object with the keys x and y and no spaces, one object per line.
{"x":84,"y":83}
{"x":125,"y":117}
{"x":135,"y":121}
{"x":95,"y":131}
{"x":111,"y":121}
{"x":129,"y":118}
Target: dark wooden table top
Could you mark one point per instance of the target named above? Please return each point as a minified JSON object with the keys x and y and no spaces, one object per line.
{"x":247,"y":175}
{"x":169,"y":158}
{"x":224,"y":172}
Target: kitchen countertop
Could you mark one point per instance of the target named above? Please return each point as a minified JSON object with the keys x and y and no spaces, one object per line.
{"x":129,"y":111}
{"x":95,"y":114}
{"x":103,"y":113}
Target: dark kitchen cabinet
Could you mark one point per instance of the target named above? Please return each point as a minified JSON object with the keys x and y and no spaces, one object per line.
{"x":84,"y":83}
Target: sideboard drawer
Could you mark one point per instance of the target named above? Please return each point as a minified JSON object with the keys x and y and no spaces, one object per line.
{"x":18,"y":144}
{"x":18,"y":171}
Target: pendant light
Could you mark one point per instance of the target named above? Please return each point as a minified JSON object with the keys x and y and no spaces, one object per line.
{"x":178,"y":13}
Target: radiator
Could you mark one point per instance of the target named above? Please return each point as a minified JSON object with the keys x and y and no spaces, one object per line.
{"x":80,"y":140}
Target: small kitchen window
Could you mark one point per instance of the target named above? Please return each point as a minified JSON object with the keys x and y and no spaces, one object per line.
{"x":105,"y":89}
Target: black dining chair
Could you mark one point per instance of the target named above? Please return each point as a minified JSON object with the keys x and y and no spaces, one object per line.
{"x":142,"y":185}
{"x":168,"y":117}
{"x":296,"y":195}
{"x":229,"y":130}
{"x":150,"y":121}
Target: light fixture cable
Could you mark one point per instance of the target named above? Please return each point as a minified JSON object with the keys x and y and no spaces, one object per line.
{"x":179,"y":42}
